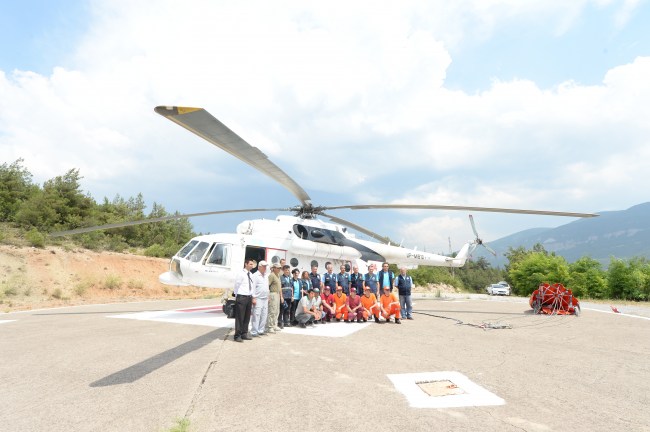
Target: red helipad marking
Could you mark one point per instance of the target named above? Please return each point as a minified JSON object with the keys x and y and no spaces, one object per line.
{"x":207,"y":308}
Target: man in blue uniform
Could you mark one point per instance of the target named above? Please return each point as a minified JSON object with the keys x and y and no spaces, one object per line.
{"x":385,"y":278}
{"x":343,"y":280}
{"x":404,"y":282}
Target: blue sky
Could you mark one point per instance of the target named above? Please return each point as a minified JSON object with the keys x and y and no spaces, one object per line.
{"x":537,"y":104}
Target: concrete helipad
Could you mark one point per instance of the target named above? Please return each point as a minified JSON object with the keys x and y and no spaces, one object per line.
{"x":140,"y":366}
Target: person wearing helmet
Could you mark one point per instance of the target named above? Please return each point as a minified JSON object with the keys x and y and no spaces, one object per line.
{"x":327,"y":305}
{"x":340,"y":299}
{"x":353,"y":306}
{"x":369,"y":305}
{"x":389,"y":305}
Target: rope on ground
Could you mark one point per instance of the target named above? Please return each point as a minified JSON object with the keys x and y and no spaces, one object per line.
{"x":484,"y":325}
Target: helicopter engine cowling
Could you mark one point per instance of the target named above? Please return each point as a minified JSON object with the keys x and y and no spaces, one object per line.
{"x":310,"y":248}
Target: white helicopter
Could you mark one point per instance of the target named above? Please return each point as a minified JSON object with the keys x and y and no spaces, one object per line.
{"x":302,"y":240}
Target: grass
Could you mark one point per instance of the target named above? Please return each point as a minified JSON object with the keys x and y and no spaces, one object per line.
{"x":182,"y":425}
{"x":81,"y":287}
{"x":112,"y":282}
{"x":135,"y":284}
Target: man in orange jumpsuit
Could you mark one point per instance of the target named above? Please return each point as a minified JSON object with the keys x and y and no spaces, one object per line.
{"x":340,"y":299}
{"x":390,"y":305}
{"x":369,"y":305}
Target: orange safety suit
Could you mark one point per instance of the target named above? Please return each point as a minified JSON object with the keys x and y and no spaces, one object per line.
{"x":339,"y":304}
{"x":370,"y":303}
{"x":390,"y":303}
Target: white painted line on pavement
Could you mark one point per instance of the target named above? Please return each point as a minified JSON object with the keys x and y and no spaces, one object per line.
{"x":213,"y":317}
{"x":614,"y":313}
{"x":6,"y":321}
{"x":473,"y":394}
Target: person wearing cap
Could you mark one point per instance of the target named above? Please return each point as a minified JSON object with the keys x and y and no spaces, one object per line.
{"x":275,"y":292}
{"x":327,"y":303}
{"x":404,"y":282}
{"x":339,"y":303}
{"x":306,"y":313}
{"x":389,"y":305}
{"x":369,"y":305}
{"x":260,"y":300}
{"x":353,"y":306}
{"x":343,"y":280}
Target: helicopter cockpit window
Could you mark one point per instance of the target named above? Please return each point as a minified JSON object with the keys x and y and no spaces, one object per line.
{"x":187,"y":248}
{"x":220,"y":255}
{"x":300,"y":231}
{"x":198,"y":252}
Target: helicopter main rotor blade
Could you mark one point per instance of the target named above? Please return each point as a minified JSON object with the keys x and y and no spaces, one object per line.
{"x":357,"y":227}
{"x":158,"y":219}
{"x":450,"y":207}
{"x":203,"y":124}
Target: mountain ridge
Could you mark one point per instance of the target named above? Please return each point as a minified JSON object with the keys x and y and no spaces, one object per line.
{"x":622,"y":234}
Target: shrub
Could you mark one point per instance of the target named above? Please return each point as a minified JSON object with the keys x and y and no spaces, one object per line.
{"x":112,"y":282}
{"x":35,"y":238}
{"x":155,"y":250}
{"x":81,"y":288}
{"x":135,"y":284}
{"x":57,"y":293}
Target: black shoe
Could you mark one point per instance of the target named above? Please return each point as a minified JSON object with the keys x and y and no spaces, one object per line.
{"x":246,"y":337}
{"x":302,"y":325}
{"x":338,"y":320}
{"x":409,"y":318}
{"x":397,"y":321}
{"x":238,"y":339}
{"x":365,"y":320}
{"x":377,"y":320}
{"x":287,"y":324}
{"x":347,"y":321}
{"x":323,"y":322}
{"x":316,"y":322}
{"x":387,"y":319}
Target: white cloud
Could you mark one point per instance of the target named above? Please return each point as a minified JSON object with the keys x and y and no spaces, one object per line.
{"x":348,"y":101}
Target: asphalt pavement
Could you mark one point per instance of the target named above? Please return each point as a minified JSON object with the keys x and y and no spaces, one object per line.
{"x":141,"y":366}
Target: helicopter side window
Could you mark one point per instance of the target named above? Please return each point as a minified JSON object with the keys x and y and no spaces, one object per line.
{"x":220,"y":255}
{"x":316,"y":233}
{"x":198,"y":252}
{"x":187,"y":248}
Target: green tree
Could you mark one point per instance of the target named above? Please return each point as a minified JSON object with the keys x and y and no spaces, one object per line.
{"x":629,"y":280}
{"x":15,"y":188}
{"x":536,"y":268}
{"x":59,"y":205}
{"x":587,"y":278}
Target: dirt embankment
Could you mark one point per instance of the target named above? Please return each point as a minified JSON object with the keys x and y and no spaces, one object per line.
{"x":32,"y":278}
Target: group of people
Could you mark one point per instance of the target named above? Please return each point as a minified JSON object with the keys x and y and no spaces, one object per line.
{"x":270,"y":300}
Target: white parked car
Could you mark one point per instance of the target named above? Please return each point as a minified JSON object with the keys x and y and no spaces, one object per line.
{"x":501,"y":288}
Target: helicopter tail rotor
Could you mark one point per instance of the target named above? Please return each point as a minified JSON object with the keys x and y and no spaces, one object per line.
{"x":478,"y":241}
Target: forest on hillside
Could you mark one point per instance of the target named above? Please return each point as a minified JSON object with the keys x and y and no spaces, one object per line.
{"x":60,"y":204}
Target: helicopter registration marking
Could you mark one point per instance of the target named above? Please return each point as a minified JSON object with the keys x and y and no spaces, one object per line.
{"x":212,"y":316}
{"x":415,"y":255}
